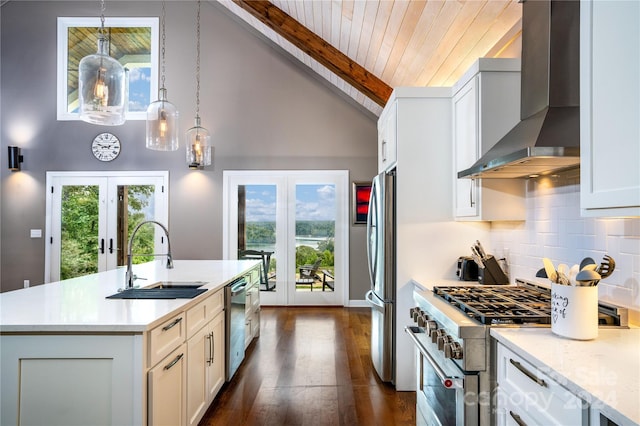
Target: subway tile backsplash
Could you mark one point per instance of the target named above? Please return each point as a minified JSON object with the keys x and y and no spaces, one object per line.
{"x":555,"y":229}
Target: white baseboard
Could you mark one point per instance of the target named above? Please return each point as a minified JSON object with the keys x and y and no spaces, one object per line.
{"x":358,"y":304}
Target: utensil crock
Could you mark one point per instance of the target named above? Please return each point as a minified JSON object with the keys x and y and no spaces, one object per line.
{"x":574,"y":311}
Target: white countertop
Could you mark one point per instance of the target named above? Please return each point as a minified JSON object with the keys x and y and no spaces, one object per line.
{"x":80,"y":304}
{"x":604,"y":371}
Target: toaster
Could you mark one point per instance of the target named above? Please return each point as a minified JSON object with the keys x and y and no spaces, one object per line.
{"x":467,"y":269}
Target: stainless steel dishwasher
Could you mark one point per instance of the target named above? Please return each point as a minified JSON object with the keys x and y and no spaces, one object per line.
{"x":234,"y":299}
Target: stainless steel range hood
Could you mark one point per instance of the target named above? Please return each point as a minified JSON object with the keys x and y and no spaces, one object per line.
{"x":547,"y":139}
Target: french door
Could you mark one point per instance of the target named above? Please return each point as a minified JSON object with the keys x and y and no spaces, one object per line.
{"x":91,"y":214}
{"x":298,"y":221}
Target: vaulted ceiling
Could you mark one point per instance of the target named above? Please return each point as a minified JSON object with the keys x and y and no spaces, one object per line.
{"x":367,"y":47}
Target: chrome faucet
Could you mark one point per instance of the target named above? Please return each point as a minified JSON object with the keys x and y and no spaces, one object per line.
{"x":129,"y":277}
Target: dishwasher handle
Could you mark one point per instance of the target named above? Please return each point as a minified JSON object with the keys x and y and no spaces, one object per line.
{"x":238,"y":287}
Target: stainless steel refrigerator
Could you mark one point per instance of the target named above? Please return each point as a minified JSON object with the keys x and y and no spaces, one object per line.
{"x":381,"y":254}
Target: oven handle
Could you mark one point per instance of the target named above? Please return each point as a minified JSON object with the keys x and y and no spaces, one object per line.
{"x":447,"y":382}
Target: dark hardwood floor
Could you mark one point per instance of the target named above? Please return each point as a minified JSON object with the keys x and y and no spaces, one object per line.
{"x":310,"y":366}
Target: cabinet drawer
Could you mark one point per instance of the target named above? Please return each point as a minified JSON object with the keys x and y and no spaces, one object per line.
{"x":512,"y":414}
{"x":166,"y":337}
{"x":167,"y":390}
{"x":252,"y":299}
{"x":253,"y":276}
{"x":203,"y":312}
{"x":255,"y":322}
{"x":528,"y":391}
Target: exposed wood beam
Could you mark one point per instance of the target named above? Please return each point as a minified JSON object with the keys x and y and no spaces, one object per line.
{"x":318,"y":49}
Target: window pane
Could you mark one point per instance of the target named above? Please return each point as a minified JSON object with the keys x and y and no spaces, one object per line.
{"x":257,"y":228}
{"x":79,"y":231}
{"x":315,"y":235}
{"x":136,"y":204}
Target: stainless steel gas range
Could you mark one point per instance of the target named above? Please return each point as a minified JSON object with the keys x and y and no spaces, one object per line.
{"x":455,"y":357}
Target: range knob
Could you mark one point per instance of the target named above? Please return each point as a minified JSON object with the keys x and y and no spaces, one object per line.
{"x":443,"y":340}
{"x":453,"y":350}
{"x":422,"y":319}
{"x":412,"y":312}
{"x":430,"y":326}
{"x":415,"y":313}
{"x":437,"y":334}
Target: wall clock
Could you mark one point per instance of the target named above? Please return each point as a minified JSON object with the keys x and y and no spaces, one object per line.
{"x":105,"y":146}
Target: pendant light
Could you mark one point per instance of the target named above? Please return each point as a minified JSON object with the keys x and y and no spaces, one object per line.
{"x":162,"y":115}
{"x":101,"y":84}
{"x":198,"y":138}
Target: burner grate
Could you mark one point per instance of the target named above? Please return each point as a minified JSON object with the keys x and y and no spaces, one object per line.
{"x":499,"y":305}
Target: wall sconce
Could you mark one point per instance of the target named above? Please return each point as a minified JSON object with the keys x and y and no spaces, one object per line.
{"x":15,"y":158}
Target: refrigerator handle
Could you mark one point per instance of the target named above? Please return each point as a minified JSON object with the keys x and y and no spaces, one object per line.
{"x":374,"y":302}
{"x":370,"y":212}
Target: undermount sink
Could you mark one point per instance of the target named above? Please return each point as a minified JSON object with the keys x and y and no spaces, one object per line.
{"x":176,"y":284}
{"x":163,"y":290}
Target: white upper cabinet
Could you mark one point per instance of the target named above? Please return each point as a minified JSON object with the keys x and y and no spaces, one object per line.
{"x":387,"y":137}
{"x":486,"y":105}
{"x":610,"y":108}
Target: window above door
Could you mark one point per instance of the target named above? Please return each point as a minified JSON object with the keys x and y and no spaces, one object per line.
{"x":133,"y":42}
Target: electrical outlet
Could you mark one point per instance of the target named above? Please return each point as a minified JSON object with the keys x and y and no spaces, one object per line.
{"x":26,"y":283}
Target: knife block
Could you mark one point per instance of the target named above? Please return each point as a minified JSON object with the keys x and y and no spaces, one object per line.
{"x":492,"y":273}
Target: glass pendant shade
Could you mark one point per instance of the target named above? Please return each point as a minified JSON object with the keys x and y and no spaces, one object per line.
{"x":102,"y":88}
{"x":198,"y":145}
{"x":162,"y":124}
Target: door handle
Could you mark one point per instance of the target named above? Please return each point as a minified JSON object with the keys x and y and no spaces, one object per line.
{"x":110,"y":245}
{"x":209,"y":337}
{"x":471,"y":202}
{"x":102,"y":245}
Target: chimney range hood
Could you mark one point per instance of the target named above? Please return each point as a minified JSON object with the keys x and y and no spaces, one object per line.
{"x":547,"y":139}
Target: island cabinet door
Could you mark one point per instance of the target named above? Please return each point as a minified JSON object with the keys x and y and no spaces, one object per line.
{"x":167,"y":384}
{"x":71,"y":380}
{"x":205,"y":368}
{"x":215,"y":368}
{"x":198,"y":355}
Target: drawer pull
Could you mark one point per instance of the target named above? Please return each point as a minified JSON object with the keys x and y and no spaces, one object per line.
{"x":173,"y":324}
{"x":174,"y":362}
{"x":517,"y":419}
{"x":528,"y":373}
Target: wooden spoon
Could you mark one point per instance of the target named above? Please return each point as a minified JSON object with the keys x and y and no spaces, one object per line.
{"x":550,"y":269}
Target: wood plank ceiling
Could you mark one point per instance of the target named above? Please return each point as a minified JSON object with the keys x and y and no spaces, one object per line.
{"x":399,"y":43}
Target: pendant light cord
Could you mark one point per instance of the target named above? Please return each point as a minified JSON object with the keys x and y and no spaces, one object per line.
{"x":102,"y":31}
{"x":198,"y":61}
{"x":162,"y":70}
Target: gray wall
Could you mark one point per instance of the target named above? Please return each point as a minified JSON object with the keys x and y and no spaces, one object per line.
{"x":264,"y":110}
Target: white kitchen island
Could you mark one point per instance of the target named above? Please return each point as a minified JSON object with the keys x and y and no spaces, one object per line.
{"x":71,"y":356}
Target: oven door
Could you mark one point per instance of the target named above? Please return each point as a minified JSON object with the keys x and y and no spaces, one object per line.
{"x":445,"y":395}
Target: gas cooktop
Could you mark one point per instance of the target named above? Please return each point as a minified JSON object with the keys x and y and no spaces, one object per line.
{"x":500,"y":304}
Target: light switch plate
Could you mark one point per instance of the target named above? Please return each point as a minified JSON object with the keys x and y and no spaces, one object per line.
{"x":36,"y":233}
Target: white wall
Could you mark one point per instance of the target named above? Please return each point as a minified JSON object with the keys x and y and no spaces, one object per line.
{"x":555,"y":229}
{"x":265,"y":110}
